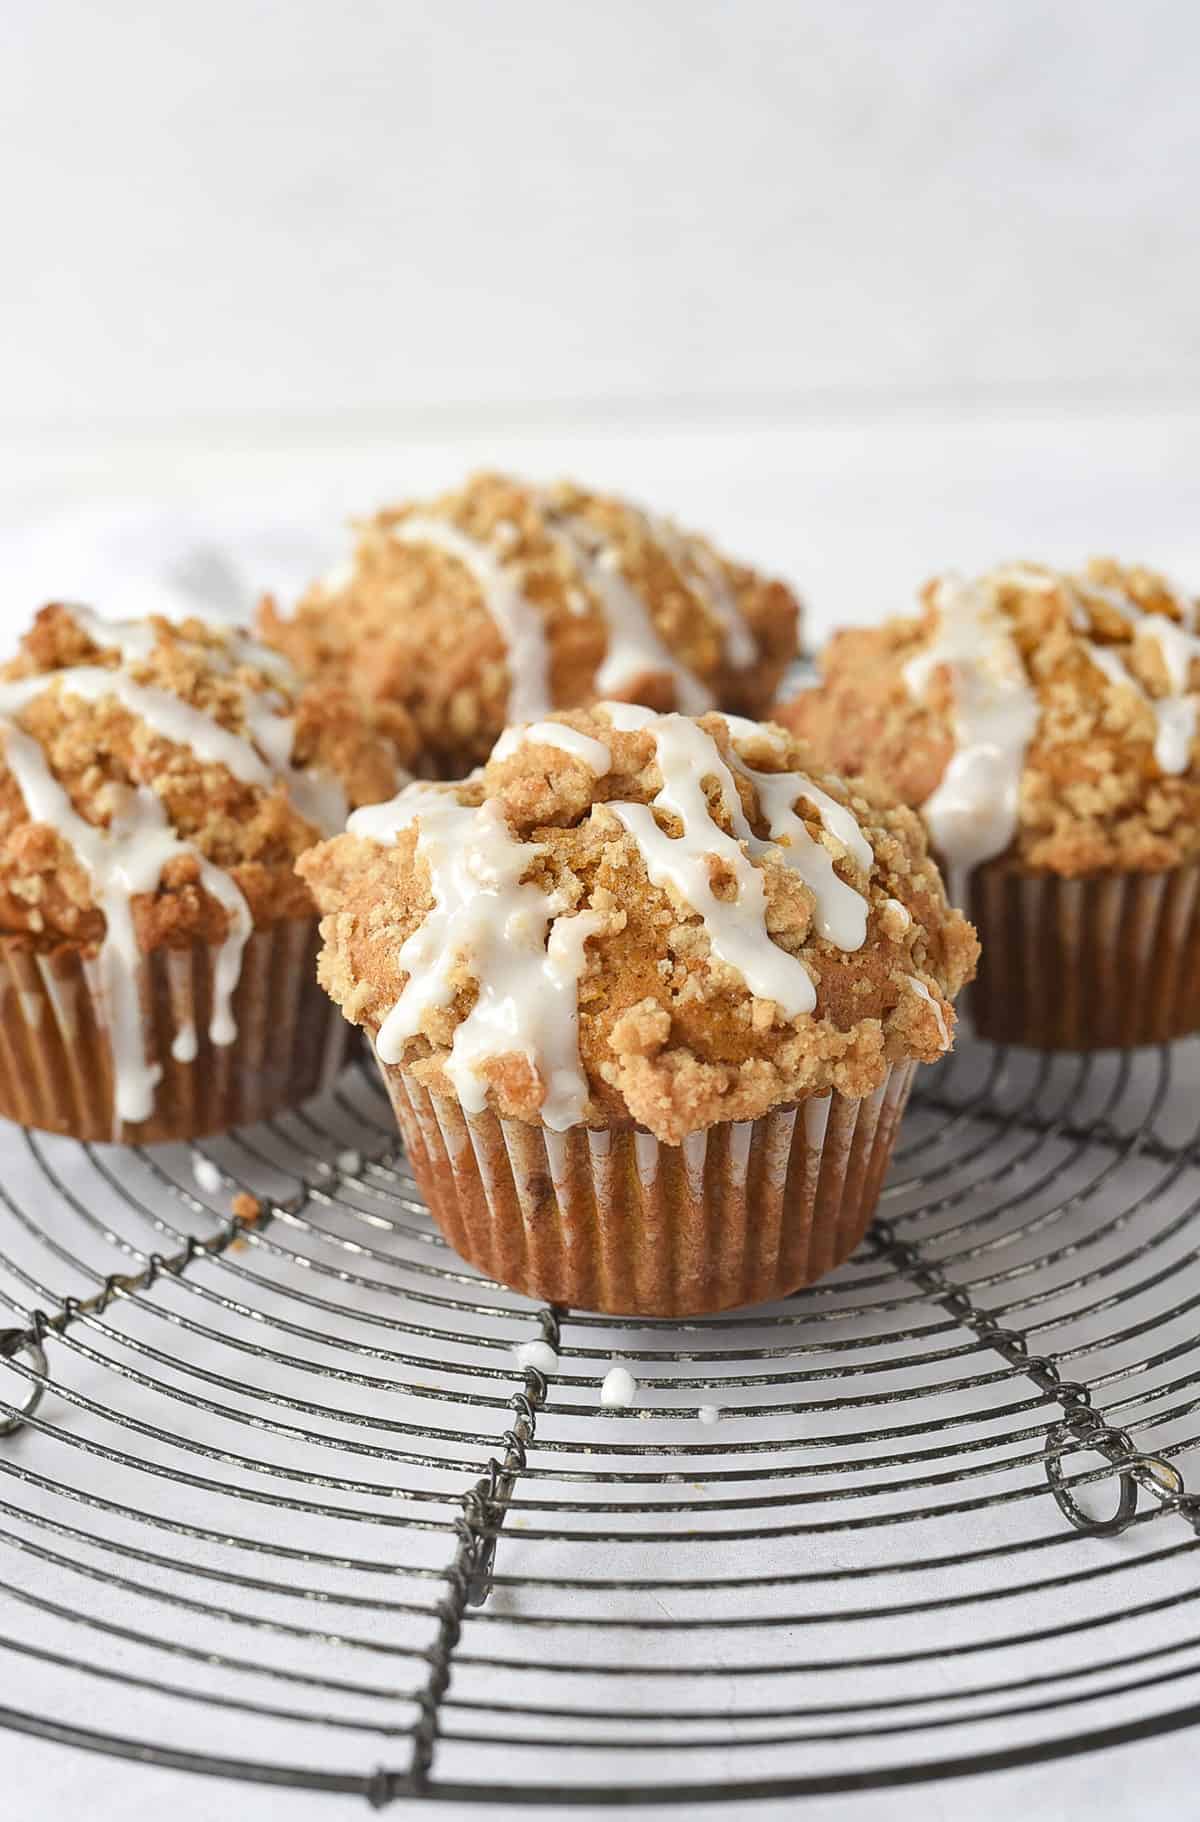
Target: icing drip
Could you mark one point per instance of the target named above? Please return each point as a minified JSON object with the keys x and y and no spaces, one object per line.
{"x":972,"y":815}
{"x":841,"y":912}
{"x":318,"y":797}
{"x":736,"y":928}
{"x":1178,"y":645}
{"x":122,"y":861}
{"x":706,"y":578}
{"x":524,"y":953}
{"x":518,"y":620}
{"x":634,"y":646}
{"x":592,"y":753}
{"x":922,"y":992}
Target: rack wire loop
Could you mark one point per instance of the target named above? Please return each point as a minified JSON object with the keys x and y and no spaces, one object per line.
{"x":14,"y":1341}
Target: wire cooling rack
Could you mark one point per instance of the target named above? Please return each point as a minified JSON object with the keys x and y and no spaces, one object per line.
{"x":278,"y":1503}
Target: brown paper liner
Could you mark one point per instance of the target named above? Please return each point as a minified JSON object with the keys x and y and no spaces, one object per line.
{"x":56,"y":1066}
{"x":614,"y":1220}
{"x":1108,"y":961}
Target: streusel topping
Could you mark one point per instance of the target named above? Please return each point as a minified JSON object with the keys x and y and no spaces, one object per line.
{"x":501,"y":601}
{"x":636,"y":916}
{"x":1047,"y":717}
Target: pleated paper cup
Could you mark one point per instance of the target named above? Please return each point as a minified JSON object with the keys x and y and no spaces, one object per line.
{"x":1107,"y":961}
{"x":614,"y":1220}
{"x":56,"y":1060}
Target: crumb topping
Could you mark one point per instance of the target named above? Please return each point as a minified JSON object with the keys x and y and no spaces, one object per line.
{"x":1065,"y":737}
{"x":630,"y":916}
{"x":191,"y":728}
{"x":499,"y":601}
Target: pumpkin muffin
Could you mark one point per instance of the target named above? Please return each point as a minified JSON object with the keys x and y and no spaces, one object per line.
{"x":501,"y":601}
{"x":1046,"y":726}
{"x":647,"y":993}
{"x":157,"y":951}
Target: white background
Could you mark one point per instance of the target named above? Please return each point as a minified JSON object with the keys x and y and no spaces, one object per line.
{"x":865,"y":287}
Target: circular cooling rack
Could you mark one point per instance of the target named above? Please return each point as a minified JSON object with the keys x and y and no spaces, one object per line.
{"x":278,"y":1503}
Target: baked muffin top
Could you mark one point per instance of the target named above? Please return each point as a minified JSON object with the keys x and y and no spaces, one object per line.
{"x":186,"y":759}
{"x":1044,"y":716}
{"x":500,"y":601}
{"x":631,"y":916}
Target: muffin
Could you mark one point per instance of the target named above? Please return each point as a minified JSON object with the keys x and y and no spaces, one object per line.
{"x":647,"y":998}
{"x":1046,"y":726}
{"x":501,"y":601}
{"x":157,"y":951}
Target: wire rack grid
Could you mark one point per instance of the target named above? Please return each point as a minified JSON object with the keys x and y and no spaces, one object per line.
{"x":277,"y":1501}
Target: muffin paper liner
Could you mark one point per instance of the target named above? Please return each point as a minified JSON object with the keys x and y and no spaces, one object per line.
{"x":1108,"y":961}
{"x":614,"y":1220}
{"x":56,"y":1066}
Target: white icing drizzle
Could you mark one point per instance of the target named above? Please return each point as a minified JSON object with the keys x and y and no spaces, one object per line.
{"x":592,"y":753}
{"x":736,"y":928}
{"x":634,"y":646}
{"x":972,"y":815}
{"x":523,"y":948}
{"x":898,"y":911}
{"x":122,"y":861}
{"x":518,"y":620}
{"x":318,"y":797}
{"x":705,"y":577}
{"x":1176,"y":713}
{"x":922,"y":992}
{"x":841,"y":912}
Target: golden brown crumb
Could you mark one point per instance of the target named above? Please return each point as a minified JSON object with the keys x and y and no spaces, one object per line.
{"x":99,"y":751}
{"x":1093,"y":797}
{"x":669,"y":1035}
{"x":247,"y":1208}
{"x":410,"y":626}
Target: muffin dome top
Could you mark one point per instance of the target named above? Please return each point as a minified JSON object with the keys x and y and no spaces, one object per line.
{"x":156,"y":785}
{"x":1046,"y":716}
{"x":501,"y":601}
{"x":637,"y":916}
